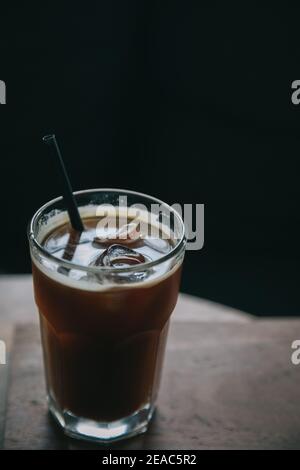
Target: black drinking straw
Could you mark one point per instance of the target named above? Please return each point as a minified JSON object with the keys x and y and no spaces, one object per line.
{"x":68,"y":195}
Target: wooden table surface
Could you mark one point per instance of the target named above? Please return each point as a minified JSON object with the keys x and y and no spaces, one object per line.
{"x":228,"y":381}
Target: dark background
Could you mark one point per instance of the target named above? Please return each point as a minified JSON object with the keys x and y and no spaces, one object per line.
{"x":187,"y":103}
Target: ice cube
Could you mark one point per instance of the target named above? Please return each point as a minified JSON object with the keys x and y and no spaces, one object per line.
{"x":125,"y":235}
{"x":118,"y":256}
{"x":158,"y":244}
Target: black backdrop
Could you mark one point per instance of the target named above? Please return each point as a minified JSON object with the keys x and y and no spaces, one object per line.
{"x":190,"y":104}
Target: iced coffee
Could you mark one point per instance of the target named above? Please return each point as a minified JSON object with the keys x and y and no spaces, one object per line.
{"x":105,"y":296}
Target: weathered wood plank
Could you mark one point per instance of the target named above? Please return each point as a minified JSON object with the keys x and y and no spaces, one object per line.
{"x":6,"y":333}
{"x":27,"y":421}
{"x":225,"y":385}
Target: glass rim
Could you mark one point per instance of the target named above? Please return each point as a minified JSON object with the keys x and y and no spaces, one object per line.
{"x":104,"y":269}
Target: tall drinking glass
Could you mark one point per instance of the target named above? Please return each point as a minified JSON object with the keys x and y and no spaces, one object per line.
{"x":104,"y":308}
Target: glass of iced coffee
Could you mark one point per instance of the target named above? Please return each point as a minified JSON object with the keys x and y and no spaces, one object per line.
{"x":105,"y":296}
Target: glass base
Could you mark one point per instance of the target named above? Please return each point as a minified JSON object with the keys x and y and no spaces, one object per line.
{"x":102,"y":432}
